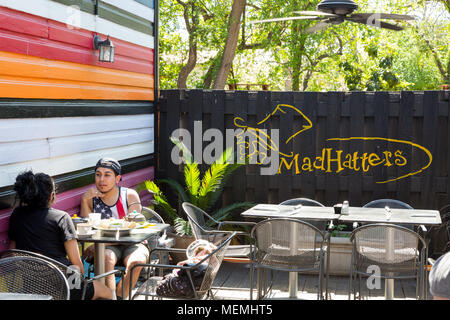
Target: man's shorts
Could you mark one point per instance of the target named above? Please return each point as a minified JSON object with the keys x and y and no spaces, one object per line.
{"x":123,"y":251}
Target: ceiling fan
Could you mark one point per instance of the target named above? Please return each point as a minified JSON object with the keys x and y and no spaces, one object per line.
{"x":337,"y":11}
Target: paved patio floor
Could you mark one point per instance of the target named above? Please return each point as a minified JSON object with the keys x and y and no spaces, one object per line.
{"x":232,"y":283}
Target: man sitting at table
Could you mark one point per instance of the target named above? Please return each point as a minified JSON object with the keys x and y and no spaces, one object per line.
{"x":113,"y":201}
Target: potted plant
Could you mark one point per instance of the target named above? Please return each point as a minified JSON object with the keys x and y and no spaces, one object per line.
{"x":203,"y":192}
{"x":340,"y":250}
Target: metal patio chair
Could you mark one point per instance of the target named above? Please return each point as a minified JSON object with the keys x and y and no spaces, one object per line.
{"x":64,"y":269}
{"x":391,"y":249}
{"x":210,"y":265}
{"x":290,"y":245}
{"x":33,"y":276}
{"x":321,"y":225}
{"x":201,"y":230}
{"x":391,"y":203}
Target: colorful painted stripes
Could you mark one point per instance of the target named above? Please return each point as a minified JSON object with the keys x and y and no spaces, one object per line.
{"x":23,"y":76}
{"x":44,"y":58}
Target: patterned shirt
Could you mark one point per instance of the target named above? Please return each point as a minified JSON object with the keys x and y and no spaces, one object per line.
{"x":116,"y":211}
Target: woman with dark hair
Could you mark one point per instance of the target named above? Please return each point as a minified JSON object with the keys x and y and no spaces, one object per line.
{"x":35,"y":226}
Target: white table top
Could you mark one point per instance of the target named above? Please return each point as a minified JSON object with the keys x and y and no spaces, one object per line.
{"x":398,"y":216}
{"x":356,"y":214}
{"x":23,"y":296}
{"x":297,"y":212}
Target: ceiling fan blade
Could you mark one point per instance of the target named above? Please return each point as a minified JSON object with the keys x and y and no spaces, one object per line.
{"x":376,"y":23}
{"x":317,"y":27}
{"x":315,"y":13}
{"x":285,"y":19}
{"x":378,"y":16}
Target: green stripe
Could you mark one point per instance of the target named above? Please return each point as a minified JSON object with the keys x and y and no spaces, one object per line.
{"x":114,"y":14}
{"x":40,"y":108}
{"x":84,"y":5}
{"x":147,"y":3}
{"x":124,"y":18}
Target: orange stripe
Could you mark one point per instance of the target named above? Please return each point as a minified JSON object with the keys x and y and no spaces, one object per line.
{"x":22,"y":76}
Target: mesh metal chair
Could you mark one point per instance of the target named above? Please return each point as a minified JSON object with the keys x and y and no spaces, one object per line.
{"x":321,"y":225}
{"x":212,"y":261}
{"x":201,"y":230}
{"x":75,"y":278}
{"x":155,"y":242}
{"x":33,"y":275}
{"x":286,"y":244}
{"x":391,"y":248}
{"x":391,"y":203}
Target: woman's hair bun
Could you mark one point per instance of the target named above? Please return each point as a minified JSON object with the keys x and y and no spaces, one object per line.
{"x":33,"y":189}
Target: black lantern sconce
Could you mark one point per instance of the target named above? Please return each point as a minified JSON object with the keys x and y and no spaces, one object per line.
{"x":106,"y":49}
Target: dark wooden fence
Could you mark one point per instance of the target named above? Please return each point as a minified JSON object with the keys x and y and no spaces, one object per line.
{"x":419,"y":117}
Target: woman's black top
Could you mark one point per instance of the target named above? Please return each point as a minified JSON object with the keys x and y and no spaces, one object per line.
{"x":42,"y":230}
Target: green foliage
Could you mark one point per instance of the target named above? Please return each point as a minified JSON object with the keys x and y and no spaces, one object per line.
{"x":337,"y":229}
{"x":348,"y":56}
{"x":202,"y":192}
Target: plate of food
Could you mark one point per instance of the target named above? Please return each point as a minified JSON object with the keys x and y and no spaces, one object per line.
{"x":112,"y":227}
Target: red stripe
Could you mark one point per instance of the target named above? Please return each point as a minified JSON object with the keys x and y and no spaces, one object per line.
{"x":32,"y":35}
{"x":119,"y":207}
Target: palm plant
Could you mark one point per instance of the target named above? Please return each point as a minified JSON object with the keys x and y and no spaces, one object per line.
{"x":202,"y":192}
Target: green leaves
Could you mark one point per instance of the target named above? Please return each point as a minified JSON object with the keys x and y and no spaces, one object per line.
{"x":160,"y":201}
{"x":202,"y":192}
{"x":192,"y":179}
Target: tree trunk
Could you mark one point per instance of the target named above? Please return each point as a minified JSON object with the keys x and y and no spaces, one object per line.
{"x":189,"y":66}
{"x":229,"y":52}
{"x":192,"y":30}
{"x":209,"y":76}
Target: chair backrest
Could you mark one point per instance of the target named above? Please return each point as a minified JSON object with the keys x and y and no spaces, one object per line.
{"x":304,"y":201}
{"x":391,"y":203}
{"x":321,"y":225}
{"x":152,"y":215}
{"x":33,"y":275}
{"x":387,"y":245}
{"x":281,"y":240}
{"x":68,"y":272}
{"x":196,"y":218}
{"x":214,"y":261}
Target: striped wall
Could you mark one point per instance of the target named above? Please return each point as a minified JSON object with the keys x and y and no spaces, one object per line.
{"x":60,"y":108}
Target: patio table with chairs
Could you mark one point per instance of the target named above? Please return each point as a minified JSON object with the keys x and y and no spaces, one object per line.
{"x":135,"y":236}
{"x":374,"y":216}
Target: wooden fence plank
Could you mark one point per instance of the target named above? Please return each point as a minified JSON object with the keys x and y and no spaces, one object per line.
{"x":381,"y":113}
{"x":308,"y":145}
{"x":430,"y":121}
{"x":405,"y":125}
{"x":333,"y":121}
{"x":357,"y":112}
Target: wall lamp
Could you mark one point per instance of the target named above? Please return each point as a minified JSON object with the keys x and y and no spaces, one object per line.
{"x":106,"y":49}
